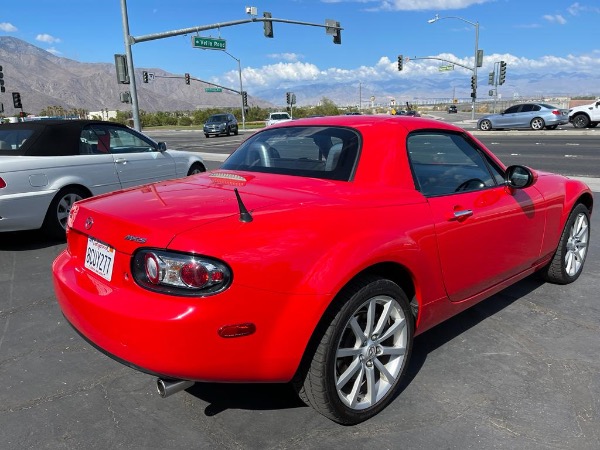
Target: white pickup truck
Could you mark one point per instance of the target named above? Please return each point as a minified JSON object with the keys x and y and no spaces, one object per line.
{"x":276,"y":117}
{"x":585,"y":116}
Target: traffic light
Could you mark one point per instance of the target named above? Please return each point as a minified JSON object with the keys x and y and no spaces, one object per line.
{"x":288,"y":97}
{"x":17,"y":100}
{"x":268,"y":25}
{"x":400,"y":62}
{"x":337,"y":35}
{"x":473,"y":83}
{"x":2,"y":88}
{"x":245,"y":98}
{"x":145,"y":76}
{"x":122,"y":71}
{"x":502,"y":76}
{"x":187,"y":78}
{"x":491,"y":78}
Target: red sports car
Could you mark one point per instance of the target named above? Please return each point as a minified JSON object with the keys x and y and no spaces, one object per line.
{"x":314,"y":255}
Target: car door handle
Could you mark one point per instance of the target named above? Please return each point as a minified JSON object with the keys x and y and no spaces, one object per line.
{"x":121,"y":161}
{"x":462,"y":214}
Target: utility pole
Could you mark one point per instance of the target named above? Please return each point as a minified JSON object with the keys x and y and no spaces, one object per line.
{"x":331,"y":28}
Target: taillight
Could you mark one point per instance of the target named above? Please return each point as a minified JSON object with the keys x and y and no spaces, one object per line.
{"x":2,"y":183}
{"x":179,"y":273}
{"x":556,"y":112}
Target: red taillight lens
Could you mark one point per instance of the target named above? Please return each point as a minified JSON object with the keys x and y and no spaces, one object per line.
{"x":556,"y":112}
{"x":194,"y":275}
{"x":2,"y":183}
{"x":179,"y":273}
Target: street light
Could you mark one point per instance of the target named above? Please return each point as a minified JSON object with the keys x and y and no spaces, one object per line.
{"x":476,"y":25}
{"x":241,"y":89}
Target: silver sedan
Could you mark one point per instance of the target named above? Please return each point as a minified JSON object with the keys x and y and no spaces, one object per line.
{"x":535,"y":116}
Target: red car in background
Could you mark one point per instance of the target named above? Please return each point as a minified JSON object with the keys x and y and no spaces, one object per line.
{"x":314,"y":255}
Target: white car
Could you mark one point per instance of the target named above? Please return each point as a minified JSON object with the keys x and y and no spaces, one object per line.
{"x":47,"y":165}
{"x":586,"y":115}
{"x":277,"y":117}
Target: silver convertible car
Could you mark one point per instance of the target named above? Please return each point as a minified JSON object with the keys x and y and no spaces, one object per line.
{"x":535,"y":116}
{"x":47,"y":165}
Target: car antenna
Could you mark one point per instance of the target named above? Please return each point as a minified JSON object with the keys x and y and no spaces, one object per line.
{"x":245,"y":216}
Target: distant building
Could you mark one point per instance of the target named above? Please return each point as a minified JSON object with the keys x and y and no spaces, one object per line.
{"x":103,"y":114}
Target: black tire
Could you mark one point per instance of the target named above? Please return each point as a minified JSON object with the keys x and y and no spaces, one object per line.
{"x":345,"y":356}
{"x":55,"y":222}
{"x":551,"y":127}
{"x":580,"y":121}
{"x":228,"y":131}
{"x":206,"y":135}
{"x":567,"y":263}
{"x":537,"y":124}
{"x":485,"y":125}
{"x":237,"y":131}
{"x":195,"y":169}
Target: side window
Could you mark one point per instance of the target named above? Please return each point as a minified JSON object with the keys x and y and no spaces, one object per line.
{"x":448,"y":163}
{"x":528,"y":108}
{"x":512,"y":109}
{"x":107,"y":139}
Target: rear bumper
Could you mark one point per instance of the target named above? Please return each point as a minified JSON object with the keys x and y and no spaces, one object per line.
{"x":178,"y":337}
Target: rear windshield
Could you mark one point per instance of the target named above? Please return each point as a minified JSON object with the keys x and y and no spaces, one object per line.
{"x":220,"y":118}
{"x":318,"y":152}
{"x":279,"y":116}
{"x":11,"y":140}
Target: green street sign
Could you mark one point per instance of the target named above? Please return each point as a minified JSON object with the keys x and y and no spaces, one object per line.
{"x":206,"y":42}
{"x":214,"y":89}
{"x":446,"y":68}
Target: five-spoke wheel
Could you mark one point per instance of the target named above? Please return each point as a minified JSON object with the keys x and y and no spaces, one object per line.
{"x":362,"y":354}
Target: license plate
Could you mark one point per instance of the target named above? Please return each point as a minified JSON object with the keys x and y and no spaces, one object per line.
{"x":99,"y":258}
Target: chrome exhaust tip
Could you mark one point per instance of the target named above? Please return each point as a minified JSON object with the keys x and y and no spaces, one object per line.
{"x":169,"y":387}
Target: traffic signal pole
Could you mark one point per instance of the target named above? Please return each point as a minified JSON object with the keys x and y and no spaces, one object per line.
{"x":331,"y":27}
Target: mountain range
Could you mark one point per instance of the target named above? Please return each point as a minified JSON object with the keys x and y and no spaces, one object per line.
{"x":44,"y":80}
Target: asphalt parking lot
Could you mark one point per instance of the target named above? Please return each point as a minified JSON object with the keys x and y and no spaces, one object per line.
{"x":520,"y":370}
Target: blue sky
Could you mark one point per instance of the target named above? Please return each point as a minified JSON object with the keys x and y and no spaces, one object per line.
{"x":532,"y":36}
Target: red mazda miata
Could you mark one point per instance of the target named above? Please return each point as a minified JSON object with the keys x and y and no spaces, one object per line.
{"x":314,"y":255}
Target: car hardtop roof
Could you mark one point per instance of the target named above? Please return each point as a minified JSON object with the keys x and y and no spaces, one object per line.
{"x":74,"y":123}
{"x":364,"y":121}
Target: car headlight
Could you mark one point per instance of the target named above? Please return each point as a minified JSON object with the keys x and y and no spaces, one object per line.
{"x":179,"y":273}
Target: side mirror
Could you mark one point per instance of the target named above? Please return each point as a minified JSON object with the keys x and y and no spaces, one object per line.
{"x":597,"y":103}
{"x":520,"y":177}
{"x":162,"y":146}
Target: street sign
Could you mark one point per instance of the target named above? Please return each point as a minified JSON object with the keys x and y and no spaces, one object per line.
{"x":151,"y":76}
{"x":207,"y":42}
{"x":213,"y":89}
{"x":446,"y":68}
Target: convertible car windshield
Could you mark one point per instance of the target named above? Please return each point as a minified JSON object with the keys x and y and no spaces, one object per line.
{"x":318,"y":152}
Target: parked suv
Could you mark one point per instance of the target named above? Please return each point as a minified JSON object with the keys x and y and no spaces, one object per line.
{"x":224,"y":123}
{"x":452,"y":109}
{"x":276,"y":117}
{"x":586,"y":115}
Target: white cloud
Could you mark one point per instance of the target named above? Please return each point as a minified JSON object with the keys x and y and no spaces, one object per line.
{"x":416,"y":5}
{"x":7,"y":27}
{"x":577,"y":8}
{"x":47,"y":38}
{"x":291,"y":57}
{"x":555,"y":18}
{"x":287,"y":75}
